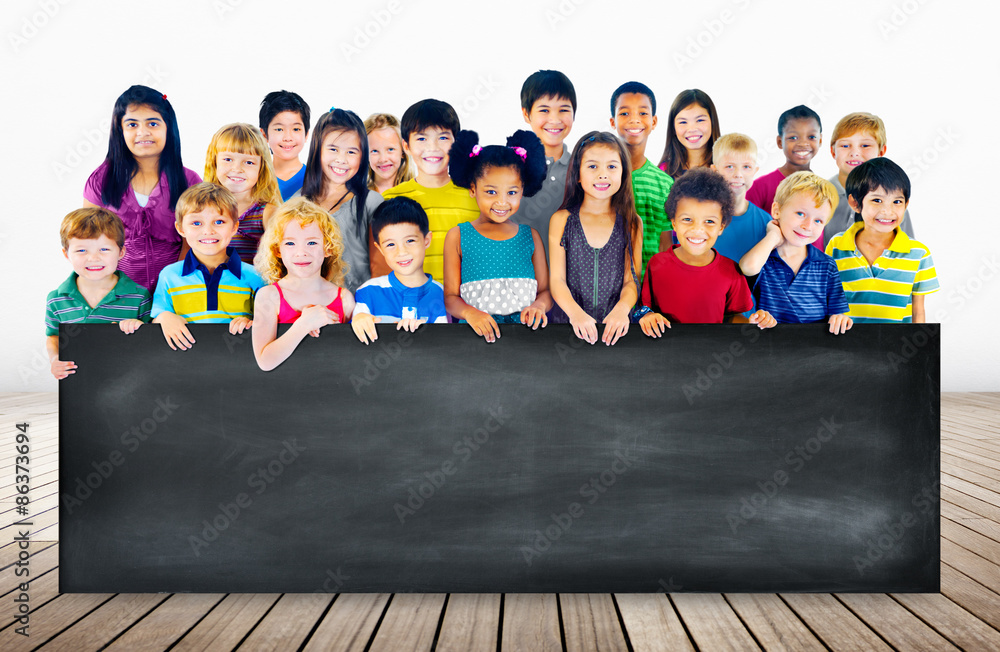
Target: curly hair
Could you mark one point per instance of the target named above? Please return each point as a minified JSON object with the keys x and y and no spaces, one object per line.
{"x":268,"y":259}
{"x":466,"y":167}
{"x":702,"y":184}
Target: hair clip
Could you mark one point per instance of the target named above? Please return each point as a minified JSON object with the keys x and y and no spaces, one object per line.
{"x":475,"y":151}
{"x":332,"y":109}
{"x":164,"y":96}
{"x":520,"y":151}
{"x":591,"y":139}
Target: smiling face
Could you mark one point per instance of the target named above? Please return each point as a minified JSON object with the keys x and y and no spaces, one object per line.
{"x":882,"y":210}
{"x":497,"y":193}
{"x":551,"y":118}
{"x":144,"y":131}
{"x":404,"y":248}
{"x":693,"y":126}
{"x":340,"y":157}
{"x":237,"y":172}
{"x":851,"y":151}
{"x":600,"y":172}
{"x":208,"y":232}
{"x":738,"y":169}
{"x":697,"y":224}
{"x":286,"y":135}
{"x":634,"y":119}
{"x":385,"y":153}
{"x":429,"y":148}
{"x":800,"y":140}
{"x":301,"y":249}
{"x":93,"y":259}
{"x":800,"y":220}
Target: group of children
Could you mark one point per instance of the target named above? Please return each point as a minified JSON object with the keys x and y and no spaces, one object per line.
{"x":529,"y":232}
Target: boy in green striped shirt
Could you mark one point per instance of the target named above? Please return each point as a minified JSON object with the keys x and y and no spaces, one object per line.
{"x":633,"y":115}
{"x":93,"y":240}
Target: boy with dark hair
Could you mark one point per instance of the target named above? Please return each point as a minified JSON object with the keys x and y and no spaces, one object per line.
{"x":548,"y":104}
{"x":407,"y":295}
{"x":211,"y":285}
{"x":428,"y":129}
{"x":691,"y":283}
{"x":885,"y":273}
{"x":93,"y":241}
{"x":633,"y":115}
{"x":284,"y":121}
{"x":800,"y":133}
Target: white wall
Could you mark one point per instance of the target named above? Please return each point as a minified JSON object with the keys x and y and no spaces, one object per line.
{"x":929,"y":69}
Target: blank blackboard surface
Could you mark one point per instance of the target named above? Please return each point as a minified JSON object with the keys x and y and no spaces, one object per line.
{"x":718,"y":458}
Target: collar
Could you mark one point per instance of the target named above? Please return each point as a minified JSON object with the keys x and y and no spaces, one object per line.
{"x":70,"y":288}
{"x":846,"y":242}
{"x":421,"y":290}
{"x":812,"y":255}
{"x":233,"y":263}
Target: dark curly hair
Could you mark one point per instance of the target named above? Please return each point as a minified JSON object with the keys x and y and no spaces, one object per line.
{"x":702,"y":184}
{"x":465,"y":169}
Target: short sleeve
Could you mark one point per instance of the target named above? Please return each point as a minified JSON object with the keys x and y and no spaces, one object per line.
{"x":161,"y":299}
{"x":926,"y":280}
{"x":51,"y":321}
{"x":738,"y":297}
{"x":836,"y":300}
{"x":92,"y":189}
{"x":361,"y":306}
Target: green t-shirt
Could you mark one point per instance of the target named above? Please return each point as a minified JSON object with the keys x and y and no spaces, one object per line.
{"x":651,"y":185}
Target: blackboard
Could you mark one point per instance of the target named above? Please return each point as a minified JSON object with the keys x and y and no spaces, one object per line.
{"x":717,"y":458}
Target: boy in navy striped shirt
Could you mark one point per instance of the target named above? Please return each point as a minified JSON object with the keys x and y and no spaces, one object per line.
{"x":93,"y":240}
{"x":798,"y":283}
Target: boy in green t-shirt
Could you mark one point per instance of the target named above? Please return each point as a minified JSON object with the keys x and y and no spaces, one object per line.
{"x":633,"y":115}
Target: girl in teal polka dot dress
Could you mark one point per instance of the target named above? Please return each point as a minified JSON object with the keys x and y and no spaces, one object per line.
{"x":494,"y":270}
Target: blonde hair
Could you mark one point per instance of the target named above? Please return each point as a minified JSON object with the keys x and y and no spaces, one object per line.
{"x":205,"y":194}
{"x":383,"y":121}
{"x":242,"y":138}
{"x":91,"y":223}
{"x":734,"y":143}
{"x":852,"y":123}
{"x":268,"y":259}
{"x":809,"y":182}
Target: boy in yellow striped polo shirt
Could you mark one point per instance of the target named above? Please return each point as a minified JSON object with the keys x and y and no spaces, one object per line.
{"x":211,"y":284}
{"x":885,"y":273}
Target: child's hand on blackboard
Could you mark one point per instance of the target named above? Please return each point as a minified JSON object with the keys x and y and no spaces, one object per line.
{"x":408,"y":324}
{"x":484,"y":325}
{"x":615,"y":324}
{"x":840,"y":324}
{"x":763,"y":319}
{"x":585,"y":327}
{"x":654,"y":324}
{"x":239,"y":324}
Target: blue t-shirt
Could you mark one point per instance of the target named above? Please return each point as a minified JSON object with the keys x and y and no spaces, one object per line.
{"x":743,"y":232}
{"x":293,"y":185}
{"x":812,"y":295}
{"x":387,"y":298}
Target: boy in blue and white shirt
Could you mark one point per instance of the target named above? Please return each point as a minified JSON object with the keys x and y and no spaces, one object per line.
{"x":407,"y":296}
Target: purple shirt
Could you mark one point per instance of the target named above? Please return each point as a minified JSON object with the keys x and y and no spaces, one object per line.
{"x":151,"y":241}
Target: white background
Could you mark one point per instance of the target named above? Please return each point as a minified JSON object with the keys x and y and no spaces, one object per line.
{"x":929,"y":69}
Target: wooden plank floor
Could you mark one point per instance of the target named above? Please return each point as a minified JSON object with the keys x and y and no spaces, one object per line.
{"x":964,"y":616}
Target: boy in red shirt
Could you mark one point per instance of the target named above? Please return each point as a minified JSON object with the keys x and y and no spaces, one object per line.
{"x":691,"y":283}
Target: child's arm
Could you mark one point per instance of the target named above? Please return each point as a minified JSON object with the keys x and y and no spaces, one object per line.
{"x":481,"y":322}
{"x":584,"y":325}
{"x":534,"y":315}
{"x":617,"y":321}
{"x":919,"y":316}
{"x":753,"y":260}
{"x":60,"y":368}
{"x":762,"y":318}
{"x":270,"y":350}
{"x":348,"y":303}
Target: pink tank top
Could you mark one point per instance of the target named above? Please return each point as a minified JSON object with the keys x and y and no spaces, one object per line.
{"x":288,"y":314}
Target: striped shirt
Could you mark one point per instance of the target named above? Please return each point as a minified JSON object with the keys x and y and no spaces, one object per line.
{"x":387,"y":298}
{"x":883,"y":292}
{"x":187,"y":289}
{"x":651,"y":185}
{"x":446,"y":207}
{"x":811,"y":295}
{"x":65,"y":304}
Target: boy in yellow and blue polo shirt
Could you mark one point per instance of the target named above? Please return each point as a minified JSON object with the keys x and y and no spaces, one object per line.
{"x":885,"y":273}
{"x":211,"y":284}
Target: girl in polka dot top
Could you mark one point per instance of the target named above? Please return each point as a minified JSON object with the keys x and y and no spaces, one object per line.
{"x":494,"y":269}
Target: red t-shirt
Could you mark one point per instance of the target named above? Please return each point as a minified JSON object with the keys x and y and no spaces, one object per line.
{"x":761,"y":193}
{"x":694,"y":295}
